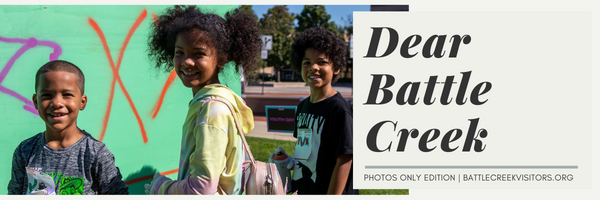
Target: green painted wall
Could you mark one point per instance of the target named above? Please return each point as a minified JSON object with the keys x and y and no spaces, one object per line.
{"x":65,"y":32}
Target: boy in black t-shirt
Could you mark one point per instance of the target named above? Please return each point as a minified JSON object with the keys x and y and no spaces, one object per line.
{"x":323,"y":155}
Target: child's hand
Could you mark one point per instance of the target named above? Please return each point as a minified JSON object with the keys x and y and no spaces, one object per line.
{"x":157,"y":181}
{"x":291,"y":164}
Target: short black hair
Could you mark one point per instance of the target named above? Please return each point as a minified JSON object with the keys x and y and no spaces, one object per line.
{"x":62,"y":66}
{"x":323,"y":40}
{"x":235,"y":38}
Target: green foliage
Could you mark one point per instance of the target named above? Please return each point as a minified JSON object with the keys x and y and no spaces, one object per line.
{"x":248,"y":8}
{"x":279,"y":23}
{"x":263,"y":148}
{"x":348,"y":25}
{"x":316,"y":15}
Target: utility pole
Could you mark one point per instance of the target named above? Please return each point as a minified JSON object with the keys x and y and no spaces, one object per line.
{"x":263,"y":78}
{"x":267,"y":45}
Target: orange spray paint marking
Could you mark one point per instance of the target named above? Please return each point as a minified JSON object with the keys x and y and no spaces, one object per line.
{"x":168,"y":83}
{"x":116,"y":76}
{"x":143,"y":178}
{"x":159,"y":102}
{"x":154,"y":17}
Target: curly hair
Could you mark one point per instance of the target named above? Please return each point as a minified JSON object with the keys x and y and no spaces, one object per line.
{"x":323,"y":40}
{"x":235,"y":38}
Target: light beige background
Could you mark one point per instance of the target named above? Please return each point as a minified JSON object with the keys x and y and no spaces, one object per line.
{"x":538,"y":111}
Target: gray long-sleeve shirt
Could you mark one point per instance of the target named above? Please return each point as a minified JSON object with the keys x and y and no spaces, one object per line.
{"x":86,"y":167}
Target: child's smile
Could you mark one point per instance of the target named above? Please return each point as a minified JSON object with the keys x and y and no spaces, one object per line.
{"x":195,"y":62}
{"x":317,"y":69}
{"x":189,"y":74}
{"x":59,"y":100}
{"x":58,"y":116}
{"x":314,"y":78}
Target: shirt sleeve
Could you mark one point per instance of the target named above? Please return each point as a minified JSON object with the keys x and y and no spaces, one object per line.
{"x":344,"y":121}
{"x":206,"y":163}
{"x":109,"y":177}
{"x":18,"y":173}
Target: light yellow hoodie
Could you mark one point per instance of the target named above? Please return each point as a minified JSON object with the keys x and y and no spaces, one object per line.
{"x":211,"y":149}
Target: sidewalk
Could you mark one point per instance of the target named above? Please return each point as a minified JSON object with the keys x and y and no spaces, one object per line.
{"x":260,"y":121}
{"x":344,"y":88}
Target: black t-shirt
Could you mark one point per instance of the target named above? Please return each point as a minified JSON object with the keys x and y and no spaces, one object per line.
{"x":323,"y":132}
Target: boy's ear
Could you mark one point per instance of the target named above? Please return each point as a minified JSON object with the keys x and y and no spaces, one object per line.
{"x":337,"y":71}
{"x":221,"y":64}
{"x":34,"y":99}
{"x":83,"y":102}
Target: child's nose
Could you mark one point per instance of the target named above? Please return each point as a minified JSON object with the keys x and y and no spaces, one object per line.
{"x":57,"y":101}
{"x":314,"y":67}
{"x":188,"y":62}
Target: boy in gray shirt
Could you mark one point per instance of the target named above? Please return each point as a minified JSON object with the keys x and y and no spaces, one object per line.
{"x":65,"y":156}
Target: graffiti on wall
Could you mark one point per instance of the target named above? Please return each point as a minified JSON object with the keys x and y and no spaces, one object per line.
{"x":27,"y":44}
{"x":116,"y":76}
{"x":128,"y":122}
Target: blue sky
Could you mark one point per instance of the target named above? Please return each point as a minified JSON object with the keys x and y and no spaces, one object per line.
{"x":336,"y":11}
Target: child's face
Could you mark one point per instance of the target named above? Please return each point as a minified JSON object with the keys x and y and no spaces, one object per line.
{"x":59,"y":100}
{"x":317,"y":69}
{"x":195,"y":62}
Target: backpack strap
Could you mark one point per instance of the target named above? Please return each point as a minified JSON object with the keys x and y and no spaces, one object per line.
{"x":246,"y":147}
{"x":237,"y":123}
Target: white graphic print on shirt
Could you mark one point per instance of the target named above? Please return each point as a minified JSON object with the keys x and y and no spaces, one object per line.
{"x":308,"y":141}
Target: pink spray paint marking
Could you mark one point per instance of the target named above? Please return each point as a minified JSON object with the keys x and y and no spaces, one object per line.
{"x":27,"y":44}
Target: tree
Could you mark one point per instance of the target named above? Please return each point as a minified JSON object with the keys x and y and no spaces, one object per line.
{"x":347,"y":29}
{"x":279,"y":23}
{"x":348,"y":25}
{"x":316,"y":15}
{"x":248,"y":8}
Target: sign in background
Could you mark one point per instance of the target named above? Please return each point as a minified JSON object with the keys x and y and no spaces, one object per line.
{"x":267,"y":42}
{"x":266,"y":46}
{"x":133,"y":108}
{"x":281,"y":118}
{"x":516,"y":85}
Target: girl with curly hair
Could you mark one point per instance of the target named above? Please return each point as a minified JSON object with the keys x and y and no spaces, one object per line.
{"x":197,"y":45}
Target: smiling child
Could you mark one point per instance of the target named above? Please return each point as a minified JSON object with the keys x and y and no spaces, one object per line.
{"x":197,"y":44}
{"x":323,"y":154}
{"x":77,"y":163}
